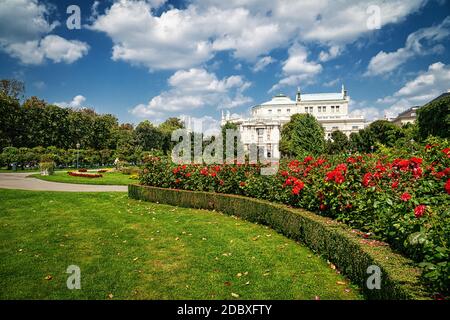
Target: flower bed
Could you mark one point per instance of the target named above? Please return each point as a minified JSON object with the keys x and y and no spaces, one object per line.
{"x":401,"y":200}
{"x":82,"y":170}
{"x":84,"y":175}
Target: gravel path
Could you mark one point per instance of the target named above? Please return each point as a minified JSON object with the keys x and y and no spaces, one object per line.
{"x":23,"y":182}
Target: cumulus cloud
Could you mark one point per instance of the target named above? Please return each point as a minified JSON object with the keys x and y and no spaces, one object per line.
{"x":420,"y":42}
{"x":332,"y":53}
{"x":23,"y":28}
{"x":296,"y":68}
{"x":77,"y":102}
{"x":194,"y":89}
{"x":420,"y":90}
{"x":52,"y":47}
{"x":188,"y":37}
{"x":262,"y":63}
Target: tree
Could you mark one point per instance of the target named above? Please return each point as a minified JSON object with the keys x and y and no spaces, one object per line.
{"x":11,"y":124}
{"x":385,"y":132}
{"x":12,"y":88}
{"x":302,"y":134}
{"x":148,"y":136}
{"x":338,"y":142}
{"x":434,"y":118}
{"x":166,"y":128}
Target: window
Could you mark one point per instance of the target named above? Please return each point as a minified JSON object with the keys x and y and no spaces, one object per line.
{"x":332,"y":108}
{"x":337,"y":108}
{"x":270,"y":110}
{"x":335,"y":128}
{"x":288,"y":110}
{"x":324,"y":109}
{"x":279,"y":110}
{"x":355,"y":127}
{"x":269,"y":150}
{"x":319,"y":109}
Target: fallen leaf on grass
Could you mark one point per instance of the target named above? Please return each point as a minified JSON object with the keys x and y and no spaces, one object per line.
{"x":234,"y":295}
{"x":316,"y":298}
{"x":227,"y":283}
{"x":135,"y":259}
{"x":340,"y":283}
{"x":110,"y":296}
{"x":49,"y":277}
{"x":239,"y":275}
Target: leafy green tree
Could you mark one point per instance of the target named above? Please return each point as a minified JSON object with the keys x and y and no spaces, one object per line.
{"x":385,"y":132}
{"x":148,"y":136}
{"x":434,"y":118}
{"x":166,"y":128}
{"x":303,"y":134}
{"x":338,"y":143}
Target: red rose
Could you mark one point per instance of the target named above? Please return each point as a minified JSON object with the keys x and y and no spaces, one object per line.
{"x":447,"y":186}
{"x":242,"y":184}
{"x":419,"y":210}
{"x":394,"y":185}
{"x":406,"y":196}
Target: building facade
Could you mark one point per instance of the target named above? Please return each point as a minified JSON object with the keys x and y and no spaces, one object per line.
{"x":263,"y":128}
{"x":407,"y":116}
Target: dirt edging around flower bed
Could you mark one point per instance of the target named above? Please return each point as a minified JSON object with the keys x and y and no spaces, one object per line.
{"x":334,"y":241}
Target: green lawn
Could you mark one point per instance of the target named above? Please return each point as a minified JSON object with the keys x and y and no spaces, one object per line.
{"x":109,"y":178}
{"x":128,"y":249}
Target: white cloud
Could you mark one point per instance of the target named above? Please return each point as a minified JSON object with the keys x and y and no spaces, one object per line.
{"x":23,"y":20}
{"x":426,"y":86}
{"x":23,"y":26}
{"x":52,"y":47}
{"x":77,"y":102}
{"x":332,"y":53}
{"x":297,"y":68}
{"x":262,"y":63}
{"x":417,"y":43}
{"x":184,"y":38}
{"x":194,"y":89}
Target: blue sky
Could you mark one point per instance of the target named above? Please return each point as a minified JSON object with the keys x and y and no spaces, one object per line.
{"x":154,"y":59}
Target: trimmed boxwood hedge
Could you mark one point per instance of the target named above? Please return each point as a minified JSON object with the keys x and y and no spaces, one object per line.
{"x":334,"y":241}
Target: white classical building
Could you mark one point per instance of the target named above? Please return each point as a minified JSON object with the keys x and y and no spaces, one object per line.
{"x":263,"y":128}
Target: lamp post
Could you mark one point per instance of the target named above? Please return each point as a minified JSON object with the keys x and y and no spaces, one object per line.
{"x":78,"y":153}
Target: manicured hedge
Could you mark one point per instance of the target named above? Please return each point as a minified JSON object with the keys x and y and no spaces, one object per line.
{"x":344,"y":247}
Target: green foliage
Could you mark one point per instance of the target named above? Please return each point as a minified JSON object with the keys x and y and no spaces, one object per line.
{"x":434,"y":118}
{"x":378,"y":132}
{"x":338,"y":143}
{"x":334,"y":241}
{"x":302,"y":135}
{"x":364,"y":191}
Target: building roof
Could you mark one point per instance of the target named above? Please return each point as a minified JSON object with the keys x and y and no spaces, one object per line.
{"x":279,"y":99}
{"x":321,"y":96}
{"x":408,"y":112}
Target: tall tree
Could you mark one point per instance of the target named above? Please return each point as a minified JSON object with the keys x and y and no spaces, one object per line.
{"x":12,"y":88}
{"x":303,"y":134}
{"x":148,"y":136}
{"x":434,"y":118}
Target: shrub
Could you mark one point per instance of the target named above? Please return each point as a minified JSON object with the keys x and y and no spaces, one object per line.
{"x":47,"y":168}
{"x":404,"y":201}
{"x":84,"y":175}
{"x":347,"y":249}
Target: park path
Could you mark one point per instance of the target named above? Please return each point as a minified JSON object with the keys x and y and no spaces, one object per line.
{"x":23,"y":182}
